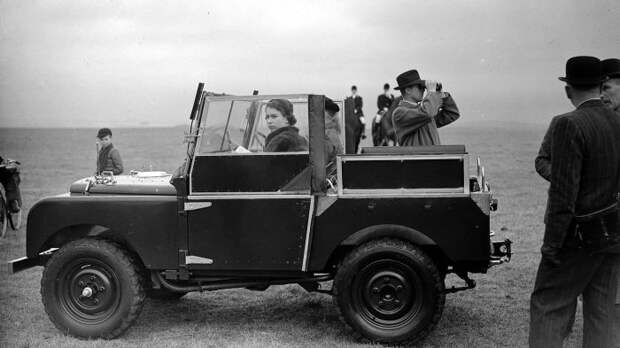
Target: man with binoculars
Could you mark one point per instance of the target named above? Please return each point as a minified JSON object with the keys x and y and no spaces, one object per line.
{"x":418,"y":116}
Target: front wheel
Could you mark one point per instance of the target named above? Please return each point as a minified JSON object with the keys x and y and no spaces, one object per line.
{"x":92,"y":288}
{"x":389,"y":291}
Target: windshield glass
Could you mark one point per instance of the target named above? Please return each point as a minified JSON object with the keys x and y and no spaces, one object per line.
{"x":241,"y":126}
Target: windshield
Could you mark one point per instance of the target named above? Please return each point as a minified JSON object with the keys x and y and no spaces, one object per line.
{"x":240,"y":126}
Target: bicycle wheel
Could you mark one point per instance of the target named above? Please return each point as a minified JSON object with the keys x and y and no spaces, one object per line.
{"x":15,"y":219}
{"x":4,"y":217}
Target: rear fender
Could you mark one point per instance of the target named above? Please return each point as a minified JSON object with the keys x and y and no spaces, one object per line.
{"x":388,"y":231}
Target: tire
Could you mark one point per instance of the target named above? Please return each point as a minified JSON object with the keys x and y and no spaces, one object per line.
{"x":92,"y":288}
{"x":4,"y":217}
{"x":389,"y":291}
{"x":164,"y":294}
{"x":16,"y":220}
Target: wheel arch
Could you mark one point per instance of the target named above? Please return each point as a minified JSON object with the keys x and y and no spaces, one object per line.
{"x":70,"y":233}
{"x":400,"y":232}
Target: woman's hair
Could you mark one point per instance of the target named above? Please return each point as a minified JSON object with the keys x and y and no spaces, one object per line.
{"x":285,"y":107}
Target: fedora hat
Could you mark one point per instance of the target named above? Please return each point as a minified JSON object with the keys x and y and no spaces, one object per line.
{"x":407,"y":79}
{"x":582,"y":70}
{"x":610,"y":67}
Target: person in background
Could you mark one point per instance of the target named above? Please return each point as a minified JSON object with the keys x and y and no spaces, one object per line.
{"x":610,"y":94}
{"x":108,"y":157}
{"x":10,"y":179}
{"x":356,"y":124}
{"x":417,"y":116}
{"x":581,"y":246}
{"x":283,"y":136}
{"x":384,"y":101}
{"x":611,"y":86}
{"x":332,"y":127}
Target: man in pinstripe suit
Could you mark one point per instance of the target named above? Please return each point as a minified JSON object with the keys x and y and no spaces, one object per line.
{"x":580,"y":156}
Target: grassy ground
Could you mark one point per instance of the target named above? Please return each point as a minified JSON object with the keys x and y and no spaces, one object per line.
{"x":495,"y":314}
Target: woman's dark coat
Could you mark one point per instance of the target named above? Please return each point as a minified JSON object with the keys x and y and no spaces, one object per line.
{"x":285,"y":139}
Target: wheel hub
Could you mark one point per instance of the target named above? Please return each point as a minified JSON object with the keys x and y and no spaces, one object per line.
{"x":89,"y":284}
{"x":89,"y":292}
{"x":389,"y":293}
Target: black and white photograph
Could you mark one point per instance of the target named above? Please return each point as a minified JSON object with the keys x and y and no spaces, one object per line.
{"x":399,"y":173}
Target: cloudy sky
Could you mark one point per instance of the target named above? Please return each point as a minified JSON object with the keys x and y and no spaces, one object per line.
{"x":132,"y":63}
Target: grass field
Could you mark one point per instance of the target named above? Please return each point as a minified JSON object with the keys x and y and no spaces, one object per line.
{"x":495,"y":314}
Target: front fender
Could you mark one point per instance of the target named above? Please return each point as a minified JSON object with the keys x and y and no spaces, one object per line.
{"x":147,"y":224}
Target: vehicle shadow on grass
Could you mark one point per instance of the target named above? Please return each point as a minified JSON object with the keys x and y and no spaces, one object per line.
{"x":282,"y":315}
{"x":286,"y":312}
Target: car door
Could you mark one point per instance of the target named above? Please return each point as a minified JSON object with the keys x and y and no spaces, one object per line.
{"x":247,"y":209}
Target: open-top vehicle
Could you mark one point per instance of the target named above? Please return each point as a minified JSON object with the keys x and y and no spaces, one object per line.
{"x":386,"y":225}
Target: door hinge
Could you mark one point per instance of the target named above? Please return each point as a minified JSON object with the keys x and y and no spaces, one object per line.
{"x":196,"y":205}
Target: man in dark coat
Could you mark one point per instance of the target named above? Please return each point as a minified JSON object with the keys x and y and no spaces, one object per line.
{"x":417,"y":116}
{"x":354,"y":121}
{"x":611,"y":86}
{"x":108,"y":157}
{"x":580,"y":155}
{"x":384,"y":101}
{"x":611,"y":97}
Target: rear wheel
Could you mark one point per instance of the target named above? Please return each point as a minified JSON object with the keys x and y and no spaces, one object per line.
{"x":92,"y":288}
{"x":389,"y":291}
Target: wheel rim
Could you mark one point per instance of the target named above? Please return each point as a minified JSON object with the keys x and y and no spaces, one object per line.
{"x":88,"y":291}
{"x":388,"y":294}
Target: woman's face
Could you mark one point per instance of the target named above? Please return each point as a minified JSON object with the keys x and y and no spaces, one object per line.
{"x":275,"y":119}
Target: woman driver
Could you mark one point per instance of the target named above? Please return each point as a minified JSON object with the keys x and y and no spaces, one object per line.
{"x":280,"y":121}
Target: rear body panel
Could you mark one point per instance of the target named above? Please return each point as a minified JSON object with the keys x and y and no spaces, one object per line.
{"x":455,"y":224}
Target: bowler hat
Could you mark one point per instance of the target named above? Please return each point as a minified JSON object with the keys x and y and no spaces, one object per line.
{"x":331,"y":106}
{"x":611,"y":67}
{"x":408,"y":79}
{"x":582,"y":70}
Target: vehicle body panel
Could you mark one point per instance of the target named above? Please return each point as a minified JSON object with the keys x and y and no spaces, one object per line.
{"x":148,"y":224}
{"x":455,"y":224}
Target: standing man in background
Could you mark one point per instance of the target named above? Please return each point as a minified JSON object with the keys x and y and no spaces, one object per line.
{"x":384,"y":101}
{"x":417,"y":116}
{"x":108,"y":158}
{"x":611,"y":85}
{"x":355,"y":123}
{"x":581,"y":244}
{"x":611,"y":97}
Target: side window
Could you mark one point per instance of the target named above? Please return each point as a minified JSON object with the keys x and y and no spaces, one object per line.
{"x":227,"y":126}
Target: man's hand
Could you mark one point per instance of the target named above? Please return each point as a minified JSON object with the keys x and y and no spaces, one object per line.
{"x":431,"y":85}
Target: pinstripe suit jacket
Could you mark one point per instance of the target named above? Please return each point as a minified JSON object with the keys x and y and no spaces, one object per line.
{"x":580,"y":156}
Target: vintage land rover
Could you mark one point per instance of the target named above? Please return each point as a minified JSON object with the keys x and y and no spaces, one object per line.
{"x":386,"y":225}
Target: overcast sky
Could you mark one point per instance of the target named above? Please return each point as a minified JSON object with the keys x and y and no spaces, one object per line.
{"x":131,"y":63}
